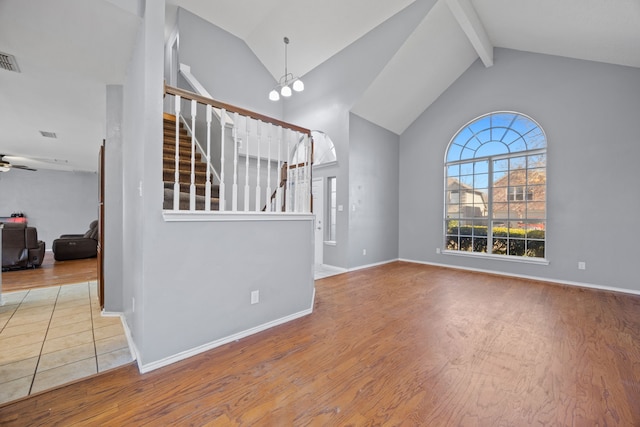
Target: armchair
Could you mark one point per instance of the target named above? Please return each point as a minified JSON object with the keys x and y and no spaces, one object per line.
{"x":77,"y":246}
{"x":21,"y":247}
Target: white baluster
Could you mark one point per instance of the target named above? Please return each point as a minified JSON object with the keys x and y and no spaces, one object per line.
{"x":258,"y":191}
{"x":192,"y":187}
{"x":246,"y":167}
{"x":278,"y":188}
{"x":307,"y":170}
{"x":221,"y":194}
{"x":296,"y":205}
{"x":207,"y":188}
{"x":234,"y":200}
{"x":290,"y":182}
{"x":176,"y":180}
{"x":267,"y":194}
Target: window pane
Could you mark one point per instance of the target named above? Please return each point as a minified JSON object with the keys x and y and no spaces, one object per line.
{"x":517,"y":162}
{"x":467,"y":154}
{"x":499,"y":194}
{"x":453,"y":171}
{"x":480,"y":244}
{"x":500,"y":210}
{"x":463,"y":136}
{"x":535,"y":139}
{"x":536,"y":210}
{"x":517,"y":210}
{"x":481,"y":180}
{"x":466,"y":181}
{"x":501,"y":165}
{"x":466,"y":169}
{"x":518,"y":145}
{"x":538,"y":160}
{"x":481,"y":167}
{"x":454,"y":153}
{"x":499,"y":246}
{"x":500,"y":179}
{"x":516,"y":247}
{"x":536,"y":176}
{"x":482,"y":137}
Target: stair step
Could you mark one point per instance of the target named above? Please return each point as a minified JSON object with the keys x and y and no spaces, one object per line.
{"x":184,"y":141}
{"x":184,"y":163}
{"x":184,"y":201}
{"x":184,"y":177}
{"x":200,"y":188}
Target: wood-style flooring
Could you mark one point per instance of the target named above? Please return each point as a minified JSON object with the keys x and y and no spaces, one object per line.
{"x":399,"y":344}
{"x":51,"y":273}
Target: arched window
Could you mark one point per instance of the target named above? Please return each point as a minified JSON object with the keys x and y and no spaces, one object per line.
{"x":496,"y":185}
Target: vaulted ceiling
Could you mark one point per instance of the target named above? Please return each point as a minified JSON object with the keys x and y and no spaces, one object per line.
{"x":68,"y":50}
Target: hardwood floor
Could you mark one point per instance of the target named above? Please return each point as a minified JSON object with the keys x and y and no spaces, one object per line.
{"x":50,"y":273}
{"x":399,"y":344}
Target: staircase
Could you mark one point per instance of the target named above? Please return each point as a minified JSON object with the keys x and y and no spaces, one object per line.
{"x":168,"y":169}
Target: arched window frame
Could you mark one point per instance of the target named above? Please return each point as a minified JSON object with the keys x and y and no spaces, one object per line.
{"x":495,"y":189}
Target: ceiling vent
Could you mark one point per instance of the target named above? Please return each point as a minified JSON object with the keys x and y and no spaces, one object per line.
{"x":8,"y":62}
{"x":48,"y":134}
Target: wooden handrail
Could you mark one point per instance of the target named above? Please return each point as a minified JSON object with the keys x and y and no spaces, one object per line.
{"x":232,"y":108}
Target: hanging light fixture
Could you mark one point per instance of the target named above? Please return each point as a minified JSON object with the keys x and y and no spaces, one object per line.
{"x":287,"y":81}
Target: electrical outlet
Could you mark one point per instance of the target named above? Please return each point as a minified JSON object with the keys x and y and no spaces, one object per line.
{"x":437,"y":250}
{"x":582,"y":265}
{"x":364,"y":252}
{"x":255,"y":297}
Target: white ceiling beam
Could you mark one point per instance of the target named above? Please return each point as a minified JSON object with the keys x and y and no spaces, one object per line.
{"x":472,"y":26}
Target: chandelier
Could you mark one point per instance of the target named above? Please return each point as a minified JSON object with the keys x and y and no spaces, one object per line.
{"x":287,"y":81}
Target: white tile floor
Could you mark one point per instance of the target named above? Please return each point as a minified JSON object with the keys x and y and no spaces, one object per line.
{"x":51,"y":336}
{"x":322,"y":270}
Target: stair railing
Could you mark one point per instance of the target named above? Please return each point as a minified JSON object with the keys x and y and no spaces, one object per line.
{"x":256,"y":137}
{"x":201,"y":150}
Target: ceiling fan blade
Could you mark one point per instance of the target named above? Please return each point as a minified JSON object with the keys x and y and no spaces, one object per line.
{"x":23,"y":167}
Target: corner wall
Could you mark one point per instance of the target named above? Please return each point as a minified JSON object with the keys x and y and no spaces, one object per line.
{"x":589,"y":112}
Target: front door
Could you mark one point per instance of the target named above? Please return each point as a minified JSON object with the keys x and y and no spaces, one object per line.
{"x":317,"y":193}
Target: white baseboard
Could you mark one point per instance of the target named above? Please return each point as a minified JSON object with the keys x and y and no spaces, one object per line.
{"x":524,"y":276}
{"x":144,"y":368}
{"x":127,"y":332}
{"x":375,"y":264}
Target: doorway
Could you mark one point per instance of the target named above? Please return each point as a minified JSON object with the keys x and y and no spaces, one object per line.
{"x":317,"y":192}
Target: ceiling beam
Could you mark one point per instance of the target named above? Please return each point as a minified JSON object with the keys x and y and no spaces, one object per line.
{"x":472,"y":26}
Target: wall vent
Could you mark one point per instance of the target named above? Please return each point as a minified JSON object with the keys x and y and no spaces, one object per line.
{"x":8,"y":62}
{"x":48,"y":134}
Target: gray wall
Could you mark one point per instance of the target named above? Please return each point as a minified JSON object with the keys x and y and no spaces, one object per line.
{"x":55,"y":202}
{"x":142,"y":123}
{"x":331,"y":90}
{"x":225,"y":65}
{"x":589,"y":112}
{"x":191,"y":281}
{"x":373,"y":179}
{"x":113,"y":208}
{"x":200,"y":282}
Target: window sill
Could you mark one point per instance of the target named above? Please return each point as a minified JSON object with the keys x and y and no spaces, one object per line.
{"x":520,"y":259}
{"x":330,"y":242}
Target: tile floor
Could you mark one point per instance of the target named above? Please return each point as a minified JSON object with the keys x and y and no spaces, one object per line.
{"x":51,"y":336}
{"x":322,"y":270}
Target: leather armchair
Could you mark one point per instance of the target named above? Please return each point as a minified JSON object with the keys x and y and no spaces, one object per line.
{"x":21,"y":247}
{"x":77,"y":246}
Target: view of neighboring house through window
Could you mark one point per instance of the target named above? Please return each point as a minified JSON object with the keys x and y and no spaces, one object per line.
{"x":332,"y":208}
{"x":496,"y":180}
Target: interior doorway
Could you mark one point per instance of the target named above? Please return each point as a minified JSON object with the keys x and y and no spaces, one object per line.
{"x":317,"y":192}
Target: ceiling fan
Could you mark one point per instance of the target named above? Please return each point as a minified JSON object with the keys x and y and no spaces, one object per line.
{"x":6,"y":166}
